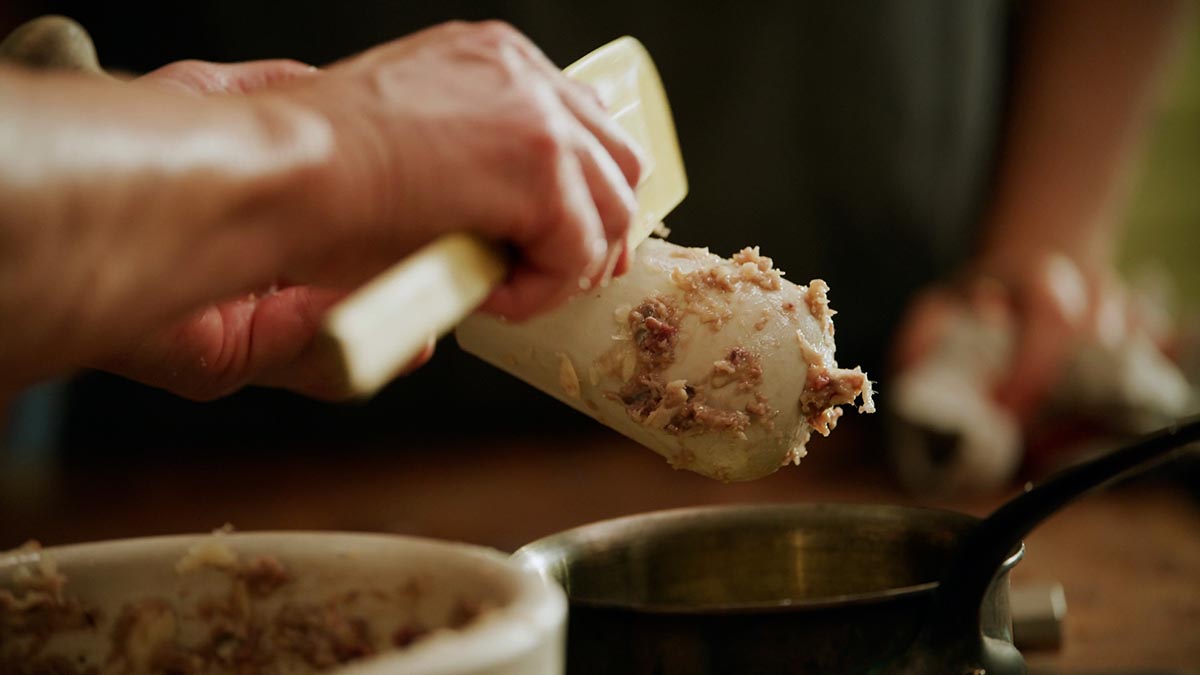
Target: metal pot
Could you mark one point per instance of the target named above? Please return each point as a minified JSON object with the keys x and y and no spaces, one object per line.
{"x":798,"y":588}
{"x":809,"y":588}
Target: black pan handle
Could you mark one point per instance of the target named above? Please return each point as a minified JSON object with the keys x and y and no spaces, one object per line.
{"x":953,"y":625}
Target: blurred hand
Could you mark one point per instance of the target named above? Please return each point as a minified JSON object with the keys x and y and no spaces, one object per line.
{"x":1050,"y":302}
{"x":460,"y":127}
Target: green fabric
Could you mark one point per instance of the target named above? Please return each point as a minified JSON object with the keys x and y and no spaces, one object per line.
{"x":1162,"y":226}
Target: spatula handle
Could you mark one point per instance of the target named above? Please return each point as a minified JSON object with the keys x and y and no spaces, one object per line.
{"x":388,"y":322}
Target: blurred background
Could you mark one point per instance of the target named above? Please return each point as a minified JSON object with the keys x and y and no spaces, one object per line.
{"x":760,"y":113}
{"x":855,"y":142}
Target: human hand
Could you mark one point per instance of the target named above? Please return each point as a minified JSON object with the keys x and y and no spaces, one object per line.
{"x":258,"y":338}
{"x":1050,"y":304}
{"x":457,"y":128}
{"x":468,"y":127}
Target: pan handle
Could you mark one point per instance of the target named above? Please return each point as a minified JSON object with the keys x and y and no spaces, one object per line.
{"x":953,"y":626}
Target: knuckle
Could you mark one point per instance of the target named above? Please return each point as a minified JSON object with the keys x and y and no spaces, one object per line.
{"x":500,"y":32}
{"x":188,"y":68}
{"x":546,"y":137}
{"x":589,"y":92}
{"x":545,"y":145}
{"x":196,"y":75}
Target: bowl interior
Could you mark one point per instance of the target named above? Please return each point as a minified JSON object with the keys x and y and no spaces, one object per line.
{"x":266,"y":602}
{"x":749,"y":556}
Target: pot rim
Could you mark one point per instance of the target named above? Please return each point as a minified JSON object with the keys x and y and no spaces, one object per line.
{"x":538,"y":556}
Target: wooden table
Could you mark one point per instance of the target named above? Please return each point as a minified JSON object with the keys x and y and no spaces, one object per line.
{"x":1129,"y":558}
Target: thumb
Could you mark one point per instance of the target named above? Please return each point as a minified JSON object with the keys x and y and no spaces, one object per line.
{"x":287,"y":356}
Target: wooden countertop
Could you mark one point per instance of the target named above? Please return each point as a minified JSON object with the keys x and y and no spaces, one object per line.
{"x":1128,"y":558}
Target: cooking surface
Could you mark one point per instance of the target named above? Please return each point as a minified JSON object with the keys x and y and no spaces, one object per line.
{"x":1129,"y":558}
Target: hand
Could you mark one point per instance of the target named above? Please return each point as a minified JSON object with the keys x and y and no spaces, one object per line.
{"x":468,"y":127}
{"x":456,"y":128}
{"x":151,"y":205}
{"x":1048,"y":301}
{"x":260,"y":338}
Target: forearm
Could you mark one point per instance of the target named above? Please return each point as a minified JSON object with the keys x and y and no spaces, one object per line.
{"x":121,"y":200}
{"x":1085,"y":76}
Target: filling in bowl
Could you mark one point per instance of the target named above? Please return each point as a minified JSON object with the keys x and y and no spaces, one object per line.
{"x":236,"y":604}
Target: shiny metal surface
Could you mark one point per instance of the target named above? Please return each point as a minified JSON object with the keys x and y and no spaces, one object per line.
{"x":802,"y":588}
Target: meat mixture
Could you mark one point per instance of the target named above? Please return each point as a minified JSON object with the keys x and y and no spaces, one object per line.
{"x":674,"y":405}
{"x":649,"y":339}
{"x":703,"y":288}
{"x":757,"y":269}
{"x":828,"y":388}
{"x":34,"y":608}
{"x":243,"y":636}
{"x":816,"y":296}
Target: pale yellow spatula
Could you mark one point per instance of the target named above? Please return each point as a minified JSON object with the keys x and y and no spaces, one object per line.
{"x":372,"y":334}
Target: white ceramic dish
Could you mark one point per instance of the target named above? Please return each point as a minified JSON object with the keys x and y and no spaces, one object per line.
{"x":131,"y":606}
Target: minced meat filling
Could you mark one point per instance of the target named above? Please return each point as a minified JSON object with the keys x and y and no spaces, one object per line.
{"x":241,"y":635}
{"x":705,"y":287}
{"x":816,"y":296}
{"x":263,"y":575}
{"x":740,"y":367}
{"x":709,"y":290}
{"x":36,"y":607}
{"x":677,"y":406}
{"x":827,"y":388}
{"x":757,"y":269}
{"x":655,"y":327}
